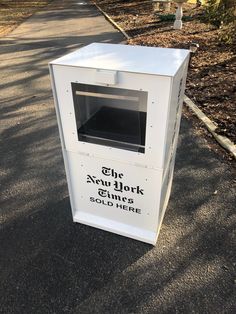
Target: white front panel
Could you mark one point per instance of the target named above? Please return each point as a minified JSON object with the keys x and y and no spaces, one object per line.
{"x":158,"y":89}
{"x":115,"y":191}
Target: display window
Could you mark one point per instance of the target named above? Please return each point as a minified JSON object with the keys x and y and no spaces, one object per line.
{"x":110,"y":116}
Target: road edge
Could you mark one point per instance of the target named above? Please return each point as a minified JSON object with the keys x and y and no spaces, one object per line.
{"x":111,"y":21}
{"x":224,"y":141}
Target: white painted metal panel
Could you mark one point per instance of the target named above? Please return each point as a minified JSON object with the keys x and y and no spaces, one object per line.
{"x":134,"y":59}
{"x":175,"y":111}
{"x":106,"y":77}
{"x":117,"y":191}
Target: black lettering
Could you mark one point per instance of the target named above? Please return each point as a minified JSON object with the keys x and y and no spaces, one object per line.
{"x":139,"y":191}
{"x":90,"y":179}
{"x":105,"y":183}
{"x":106,"y":171}
{"x":118,"y":186}
{"x":111,"y":172}
{"x":102,"y":193}
{"x":115,"y":197}
{"x":125,"y":207}
{"x":120,"y":175}
{"x":138,"y":211}
{"x":133,"y":189}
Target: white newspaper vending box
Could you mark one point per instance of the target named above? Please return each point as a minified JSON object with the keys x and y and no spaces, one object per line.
{"x":118,"y":110}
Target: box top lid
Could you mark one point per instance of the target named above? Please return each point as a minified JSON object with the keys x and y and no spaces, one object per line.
{"x":135,"y":59}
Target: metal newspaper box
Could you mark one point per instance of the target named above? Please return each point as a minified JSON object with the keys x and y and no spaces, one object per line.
{"x":118,"y":110}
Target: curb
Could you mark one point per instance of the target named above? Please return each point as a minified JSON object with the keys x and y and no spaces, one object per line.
{"x":112,"y":21}
{"x":222,"y":140}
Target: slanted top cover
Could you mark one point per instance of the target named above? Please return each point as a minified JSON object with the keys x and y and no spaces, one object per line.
{"x":135,"y":59}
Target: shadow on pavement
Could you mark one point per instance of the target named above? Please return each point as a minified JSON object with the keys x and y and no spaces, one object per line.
{"x":51,"y":265}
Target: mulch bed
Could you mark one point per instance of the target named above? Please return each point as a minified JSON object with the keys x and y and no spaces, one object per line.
{"x":211,"y":81}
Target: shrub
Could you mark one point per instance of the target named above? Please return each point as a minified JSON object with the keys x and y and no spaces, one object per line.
{"x":222,"y":14}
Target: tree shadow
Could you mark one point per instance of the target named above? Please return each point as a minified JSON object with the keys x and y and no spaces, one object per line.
{"x":191,"y":269}
{"x":53,"y":265}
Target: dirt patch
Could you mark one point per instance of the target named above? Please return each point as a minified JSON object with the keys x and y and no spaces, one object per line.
{"x":211,"y":82}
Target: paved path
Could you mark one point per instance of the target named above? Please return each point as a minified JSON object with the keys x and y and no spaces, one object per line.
{"x":50,"y":265}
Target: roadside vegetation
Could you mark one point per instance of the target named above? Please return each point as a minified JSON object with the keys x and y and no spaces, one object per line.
{"x":222,"y":14}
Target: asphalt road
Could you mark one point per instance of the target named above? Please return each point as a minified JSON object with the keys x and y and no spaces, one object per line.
{"x":51,"y":265}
